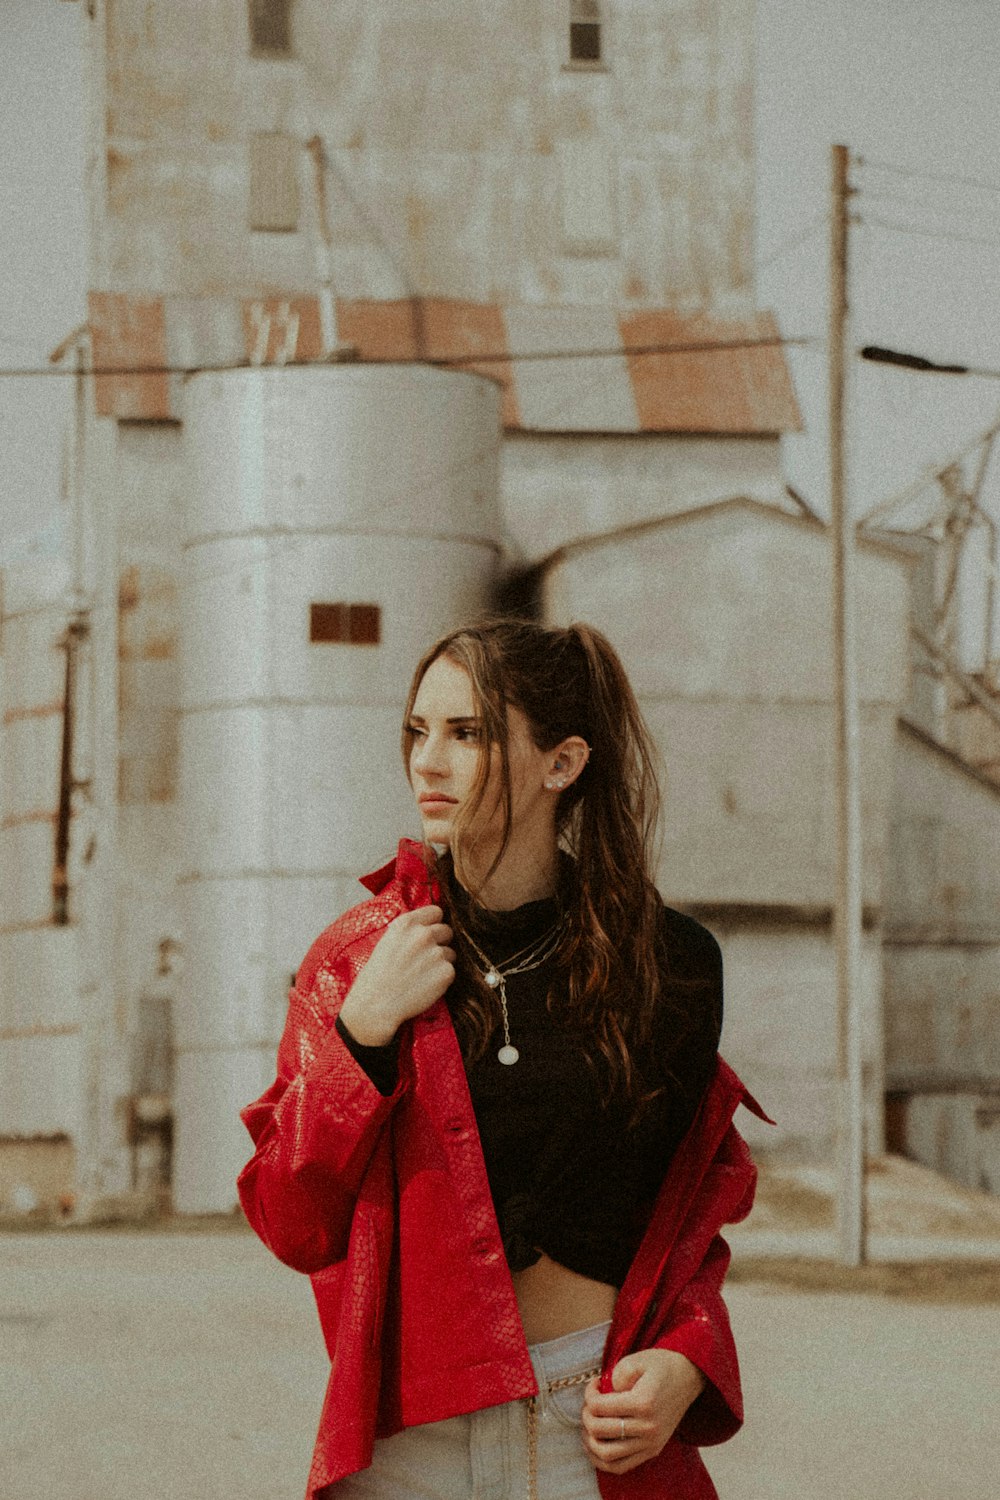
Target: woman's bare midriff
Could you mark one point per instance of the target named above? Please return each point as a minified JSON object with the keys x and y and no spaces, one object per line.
{"x":554,"y":1301}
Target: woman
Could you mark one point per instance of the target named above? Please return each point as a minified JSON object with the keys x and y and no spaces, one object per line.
{"x":500,"y":1137}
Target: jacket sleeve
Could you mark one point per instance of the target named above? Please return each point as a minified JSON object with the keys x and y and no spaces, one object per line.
{"x":699,"y":1329}
{"x":697,"y":1322}
{"x":314,"y":1131}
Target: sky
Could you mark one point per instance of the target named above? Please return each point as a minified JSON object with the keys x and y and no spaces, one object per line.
{"x":907,"y":85}
{"x":43,"y":277}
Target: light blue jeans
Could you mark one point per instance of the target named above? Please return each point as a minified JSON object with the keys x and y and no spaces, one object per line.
{"x":485,"y":1456}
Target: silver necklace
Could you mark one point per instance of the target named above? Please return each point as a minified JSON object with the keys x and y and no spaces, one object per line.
{"x":496,"y":975}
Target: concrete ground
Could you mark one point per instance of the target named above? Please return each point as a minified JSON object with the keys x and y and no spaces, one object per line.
{"x":188,"y":1366}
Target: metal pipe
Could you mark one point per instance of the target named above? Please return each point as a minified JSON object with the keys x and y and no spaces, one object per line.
{"x":986,"y":701}
{"x":330,"y":347}
{"x":929,"y":476}
{"x":76,"y":631}
{"x":77,"y":627}
{"x":847,"y":905}
{"x":991,"y":595}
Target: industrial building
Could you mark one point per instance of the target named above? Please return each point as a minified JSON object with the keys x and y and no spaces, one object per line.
{"x":397,"y":313}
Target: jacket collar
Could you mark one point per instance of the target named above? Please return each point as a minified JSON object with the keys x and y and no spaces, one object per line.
{"x":732,"y":1086}
{"x":409,"y":869}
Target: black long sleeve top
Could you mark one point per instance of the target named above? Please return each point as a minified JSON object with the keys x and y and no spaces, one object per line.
{"x":572,"y":1175}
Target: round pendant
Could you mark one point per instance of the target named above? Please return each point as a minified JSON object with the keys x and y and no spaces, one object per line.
{"x":492,"y":979}
{"x":508,"y":1055}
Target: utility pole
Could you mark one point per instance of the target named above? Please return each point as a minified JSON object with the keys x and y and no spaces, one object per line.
{"x":848,"y":903}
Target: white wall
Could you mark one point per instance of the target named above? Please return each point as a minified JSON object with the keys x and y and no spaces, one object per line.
{"x":780,"y":1032}
{"x":720,"y":620}
{"x":942,"y":923}
{"x":942,"y":976}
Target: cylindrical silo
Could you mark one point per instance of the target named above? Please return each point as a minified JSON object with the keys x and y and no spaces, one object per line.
{"x":333,"y":501}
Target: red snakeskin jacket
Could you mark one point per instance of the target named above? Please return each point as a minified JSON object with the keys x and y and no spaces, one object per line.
{"x":384,"y":1201}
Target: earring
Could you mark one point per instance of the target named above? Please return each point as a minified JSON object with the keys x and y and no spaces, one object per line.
{"x":549,"y":784}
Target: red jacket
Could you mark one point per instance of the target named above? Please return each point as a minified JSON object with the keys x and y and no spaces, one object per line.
{"x":385,"y":1202}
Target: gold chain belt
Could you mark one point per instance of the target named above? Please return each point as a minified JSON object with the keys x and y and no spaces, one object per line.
{"x":553,"y":1385}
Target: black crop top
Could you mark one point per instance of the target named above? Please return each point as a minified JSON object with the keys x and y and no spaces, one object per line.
{"x":570,"y":1176}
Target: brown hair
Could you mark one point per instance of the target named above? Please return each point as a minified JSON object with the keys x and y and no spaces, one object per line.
{"x":571,"y":682}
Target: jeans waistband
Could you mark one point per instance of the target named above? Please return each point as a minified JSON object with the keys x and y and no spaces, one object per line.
{"x":555,"y":1359}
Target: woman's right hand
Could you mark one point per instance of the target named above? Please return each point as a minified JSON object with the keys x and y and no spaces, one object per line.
{"x":410,"y":967}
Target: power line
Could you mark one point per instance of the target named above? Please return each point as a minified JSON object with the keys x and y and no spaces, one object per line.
{"x":438,"y":361}
{"x":944,"y":177}
{"x":718,"y":346}
{"x":868,"y":221}
{"x":985,"y":215}
{"x":794,"y":242}
{"x":962,"y":209}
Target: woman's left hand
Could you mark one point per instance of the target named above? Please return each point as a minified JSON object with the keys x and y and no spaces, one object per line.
{"x":653,"y":1388}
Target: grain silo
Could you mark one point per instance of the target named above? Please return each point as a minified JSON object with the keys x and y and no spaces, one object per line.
{"x":338,"y":519}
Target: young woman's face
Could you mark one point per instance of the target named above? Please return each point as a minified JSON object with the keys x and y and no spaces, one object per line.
{"x":444,"y":764}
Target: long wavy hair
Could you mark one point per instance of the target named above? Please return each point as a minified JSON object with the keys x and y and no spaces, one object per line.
{"x":568,"y":682}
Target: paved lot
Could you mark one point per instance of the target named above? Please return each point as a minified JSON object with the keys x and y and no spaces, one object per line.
{"x":183,"y":1366}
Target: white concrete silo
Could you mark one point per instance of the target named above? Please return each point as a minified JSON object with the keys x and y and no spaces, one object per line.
{"x":336,"y":485}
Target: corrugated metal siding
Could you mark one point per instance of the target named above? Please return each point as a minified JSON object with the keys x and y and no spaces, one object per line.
{"x":729,"y":390}
{"x":129,"y":334}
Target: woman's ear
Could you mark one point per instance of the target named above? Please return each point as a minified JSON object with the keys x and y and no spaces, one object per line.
{"x":566,"y":763}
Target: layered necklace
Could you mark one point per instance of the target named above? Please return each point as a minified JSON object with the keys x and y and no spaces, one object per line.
{"x":532,"y":956}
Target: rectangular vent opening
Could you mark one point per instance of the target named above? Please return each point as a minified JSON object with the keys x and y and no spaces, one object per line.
{"x":345,"y":624}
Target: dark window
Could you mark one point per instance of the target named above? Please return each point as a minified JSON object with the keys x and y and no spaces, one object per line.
{"x":585,"y":31}
{"x":584,"y":42}
{"x":270,"y":27}
{"x":345,"y":624}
